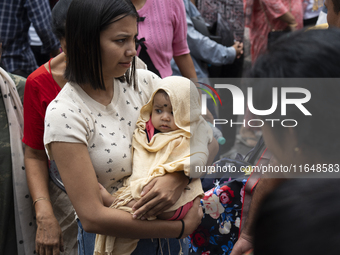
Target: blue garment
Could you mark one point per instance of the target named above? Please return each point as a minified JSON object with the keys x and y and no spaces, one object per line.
{"x":156,"y":246}
{"x":324,"y":9}
{"x":203,"y":50}
{"x":15,"y":19}
{"x":85,"y":241}
{"x":159,"y":246}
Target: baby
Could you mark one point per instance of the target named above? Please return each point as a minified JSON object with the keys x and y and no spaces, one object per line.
{"x":171,"y":135}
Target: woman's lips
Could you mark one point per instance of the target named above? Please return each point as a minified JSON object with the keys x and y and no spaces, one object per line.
{"x":125,"y":64}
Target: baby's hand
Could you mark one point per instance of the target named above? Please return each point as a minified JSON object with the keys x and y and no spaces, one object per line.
{"x":106,"y":196}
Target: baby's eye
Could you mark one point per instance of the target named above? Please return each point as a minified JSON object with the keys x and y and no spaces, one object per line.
{"x":158,"y":111}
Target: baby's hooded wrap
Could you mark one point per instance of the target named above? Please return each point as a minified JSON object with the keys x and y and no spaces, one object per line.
{"x":178,"y":150}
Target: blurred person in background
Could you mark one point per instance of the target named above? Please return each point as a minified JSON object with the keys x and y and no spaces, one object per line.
{"x":57,"y":226}
{"x":313,"y":141}
{"x":17,"y":225}
{"x":15,"y":20}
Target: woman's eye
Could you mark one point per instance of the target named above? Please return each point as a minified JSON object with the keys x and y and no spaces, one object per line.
{"x":120,"y":40}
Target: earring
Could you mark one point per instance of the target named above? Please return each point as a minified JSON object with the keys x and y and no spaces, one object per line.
{"x":297,"y":149}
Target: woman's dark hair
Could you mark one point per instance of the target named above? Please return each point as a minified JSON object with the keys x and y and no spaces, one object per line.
{"x":59,"y":13}
{"x":86,"y":19}
{"x":301,"y":216}
{"x":304,"y":54}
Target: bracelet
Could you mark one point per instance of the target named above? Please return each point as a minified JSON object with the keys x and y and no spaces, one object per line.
{"x":293,"y":25}
{"x":182,"y":231}
{"x":41,"y":198}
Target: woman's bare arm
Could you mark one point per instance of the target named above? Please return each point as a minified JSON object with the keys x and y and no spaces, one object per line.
{"x":78,"y":175}
{"x":48,"y":234}
{"x":163,"y":192}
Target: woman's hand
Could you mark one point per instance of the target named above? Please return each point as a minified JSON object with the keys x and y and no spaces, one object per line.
{"x":160,"y":194}
{"x":49,"y":240}
{"x":193,"y":218}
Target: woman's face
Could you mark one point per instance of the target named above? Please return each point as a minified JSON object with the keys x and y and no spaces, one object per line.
{"x":118,"y":47}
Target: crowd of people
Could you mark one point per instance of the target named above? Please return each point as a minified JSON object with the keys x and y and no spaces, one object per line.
{"x":99,"y":144}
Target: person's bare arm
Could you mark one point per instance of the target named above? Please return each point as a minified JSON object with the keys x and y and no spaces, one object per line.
{"x":290,"y":20}
{"x":77,"y":172}
{"x":49,"y":235}
{"x":186,"y":66}
{"x":263,"y":188}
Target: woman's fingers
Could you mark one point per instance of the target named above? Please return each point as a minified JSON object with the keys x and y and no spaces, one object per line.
{"x":160,"y":194}
{"x":148,"y":187}
{"x":49,"y":240}
{"x":144,"y":205}
{"x":145,"y":196}
{"x":61,"y":246}
{"x":158,"y":209}
{"x":41,"y":250}
{"x":49,"y":250}
{"x":193,"y":218}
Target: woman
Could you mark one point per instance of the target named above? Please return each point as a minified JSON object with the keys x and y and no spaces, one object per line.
{"x":163,"y":26}
{"x":17,"y":226}
{"x":262,"y":16}
{"x":56,"y":224}
{"x":312,"y":144}
{"x":102,"y":102}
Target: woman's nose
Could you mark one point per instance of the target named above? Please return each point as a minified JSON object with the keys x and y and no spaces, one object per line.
{"x":131,"y":51}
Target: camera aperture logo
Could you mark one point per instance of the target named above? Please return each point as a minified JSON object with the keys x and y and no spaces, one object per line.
{"x":239,"y":105}
{"x":204,"y":108}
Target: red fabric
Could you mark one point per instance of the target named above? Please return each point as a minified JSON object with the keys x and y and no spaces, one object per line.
{"x":259,"y":27}
{"x":150,"y":129}
{"x":182,"y":211}
{"x":40,"y":90}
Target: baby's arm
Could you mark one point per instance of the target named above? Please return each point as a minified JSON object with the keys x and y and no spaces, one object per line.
{"x":108,"y":199}
{"x":106,"y":196}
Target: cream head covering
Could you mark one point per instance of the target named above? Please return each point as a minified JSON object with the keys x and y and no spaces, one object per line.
{"x":185,"y":101}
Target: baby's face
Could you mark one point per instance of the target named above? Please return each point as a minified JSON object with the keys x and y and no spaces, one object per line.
{"x":162,"y":117}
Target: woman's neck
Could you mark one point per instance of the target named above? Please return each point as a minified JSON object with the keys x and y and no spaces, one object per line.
{"x":58,"y":66}
{"x":138,"y":4}
{"x":103,"y":97}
